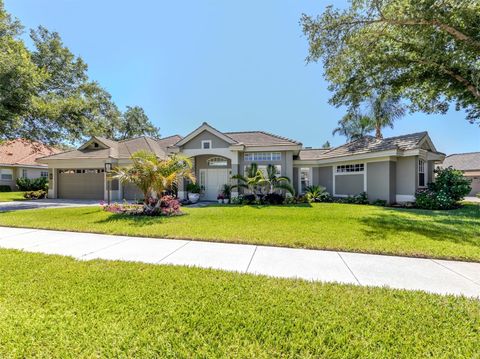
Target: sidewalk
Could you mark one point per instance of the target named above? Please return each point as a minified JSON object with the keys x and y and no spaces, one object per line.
{"x":434,"y":276}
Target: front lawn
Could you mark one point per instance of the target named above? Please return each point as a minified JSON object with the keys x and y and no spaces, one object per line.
{"x":11,"y":196}
{"x":441,"y":234}
{"x":56,"y":307}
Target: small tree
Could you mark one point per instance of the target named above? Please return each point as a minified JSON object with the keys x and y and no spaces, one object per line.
{"x":271,"y":182}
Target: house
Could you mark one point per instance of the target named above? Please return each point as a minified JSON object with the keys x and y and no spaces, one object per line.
{"x":18,"y":158}
{"x":391,"y":169}
{"x":469,"y":163}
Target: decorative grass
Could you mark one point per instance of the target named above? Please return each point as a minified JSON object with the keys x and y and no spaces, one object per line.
{"x":439,"y":234}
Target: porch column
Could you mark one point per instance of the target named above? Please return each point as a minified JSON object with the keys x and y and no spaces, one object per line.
{"x":182,"y":194}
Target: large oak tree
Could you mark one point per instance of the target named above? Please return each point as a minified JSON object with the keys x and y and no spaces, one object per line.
{"x":427,"y":51}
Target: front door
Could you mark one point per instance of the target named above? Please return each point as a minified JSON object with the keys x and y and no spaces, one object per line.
{"x":214,"y":179}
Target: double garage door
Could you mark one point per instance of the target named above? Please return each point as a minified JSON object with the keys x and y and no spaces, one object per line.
{"x":80,"y":184}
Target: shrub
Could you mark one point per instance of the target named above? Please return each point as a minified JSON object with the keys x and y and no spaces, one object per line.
{"x":193,"y":188}
{"x":478,"y":194}
{"x":450,"y":186}
{"x":317,"y":194}
{"x":27,"y":184}
{"x":379,"y":202}
{"x":35,"y":194}
{"x":249,"y":199}
{"x":361,"y":198}
{"x":5,"y":188}
{"x":273,"y":199}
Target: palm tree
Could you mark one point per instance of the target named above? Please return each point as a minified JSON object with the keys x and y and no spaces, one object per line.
{"x":354,"y":125}
{"x":384,"y":111}
{"x":142,"y":173}
{"x":272,"y":182}
{"x":151,"y":174}
{"x":248,"y":181}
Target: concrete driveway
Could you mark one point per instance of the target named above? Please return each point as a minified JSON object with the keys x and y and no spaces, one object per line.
{"x":46,"y":203}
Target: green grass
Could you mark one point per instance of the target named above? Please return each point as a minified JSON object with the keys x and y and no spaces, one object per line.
{"x":11,"y":196}
{"x":448,"y":234}
{"x":56,"y":307}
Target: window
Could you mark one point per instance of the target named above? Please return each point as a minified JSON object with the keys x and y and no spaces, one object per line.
{"x":263,"y":168}
{"x":72,"y":171}
{"x":304,"y":179}
{"x":44,"y":174}
{"x":6,"y":174}
{"x":24,"y":173}
{"x":357,"y":167}
{"x":206,"y":145}
{"x":263,"y":156}
{"x":421,"y":173}
{"x":217,"y":162}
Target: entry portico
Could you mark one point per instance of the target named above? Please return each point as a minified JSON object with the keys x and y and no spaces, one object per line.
{"x":217,"y":156}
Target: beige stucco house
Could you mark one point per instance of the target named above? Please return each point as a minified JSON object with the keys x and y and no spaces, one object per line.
{"x":469,"y":163}
{"x":18,"y":158}
{"x":390,"y":169}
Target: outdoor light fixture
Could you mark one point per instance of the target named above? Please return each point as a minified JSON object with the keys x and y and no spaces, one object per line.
{"x":108,"y":167}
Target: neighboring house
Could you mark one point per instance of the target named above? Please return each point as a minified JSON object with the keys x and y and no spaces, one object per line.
{"x":18,"y":158}
{"x":469,"y":163}
{"x":391,"y":169}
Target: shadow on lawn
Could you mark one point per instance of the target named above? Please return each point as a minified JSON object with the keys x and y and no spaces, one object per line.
{"x":460,"y":226}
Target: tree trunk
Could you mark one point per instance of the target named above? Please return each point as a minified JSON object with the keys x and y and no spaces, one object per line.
{"x":378,"y":132}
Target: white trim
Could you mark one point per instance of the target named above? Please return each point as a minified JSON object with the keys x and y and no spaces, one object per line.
{"x":90,"y":141}
{"x":209,"y":144}
{"x":310,"y":177}
{"x":222,"y":152}
{"x":404,"y":198}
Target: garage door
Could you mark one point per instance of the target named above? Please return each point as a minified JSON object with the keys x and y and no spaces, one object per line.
{"x":132,"y":192}
{"x":81,"y":183}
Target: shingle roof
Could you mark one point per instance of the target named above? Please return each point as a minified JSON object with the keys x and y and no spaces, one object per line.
{"x":368,"y":144}
{"x":463,"y":161}
{"x":260,"y":138}
{"x":24,"y":153}
{"x":120,"y":149}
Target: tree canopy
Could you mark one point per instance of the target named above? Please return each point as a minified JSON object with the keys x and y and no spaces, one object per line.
{"x":47,"y":96}
{"x":425,"y":51}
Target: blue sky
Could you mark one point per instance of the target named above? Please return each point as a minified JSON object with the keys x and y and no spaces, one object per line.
{"x":239,"y":65}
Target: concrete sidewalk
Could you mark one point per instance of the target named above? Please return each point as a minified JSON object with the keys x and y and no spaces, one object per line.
{"x":46,"y":203}
{"x":434,"y":276}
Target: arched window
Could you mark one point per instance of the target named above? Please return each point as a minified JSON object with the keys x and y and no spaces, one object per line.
{"x":217,"y":162}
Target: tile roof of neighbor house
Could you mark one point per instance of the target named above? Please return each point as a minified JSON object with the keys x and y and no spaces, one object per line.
{"x":24,"y":153}
{"x":367,"y":144}
{"x":463,"y":161}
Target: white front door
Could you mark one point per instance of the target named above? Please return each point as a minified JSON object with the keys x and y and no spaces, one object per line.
{"x":214,"y":179}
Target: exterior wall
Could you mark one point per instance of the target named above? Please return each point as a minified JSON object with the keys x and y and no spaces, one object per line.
{"x":323,"y":176}
{"x":32,"y":173}
{"x":11,"y":183}
{"x":201,"y":163}
{"x":196,"y":142}
{"x":406,"y":176}
{"x":431,"y":174}
{"x":381,"y":181}
{"x":351,"y":184}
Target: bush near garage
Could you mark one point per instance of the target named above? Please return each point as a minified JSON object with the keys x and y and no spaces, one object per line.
{"x":5,"y":188}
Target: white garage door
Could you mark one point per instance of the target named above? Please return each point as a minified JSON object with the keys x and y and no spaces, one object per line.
{"x":81,"y":183}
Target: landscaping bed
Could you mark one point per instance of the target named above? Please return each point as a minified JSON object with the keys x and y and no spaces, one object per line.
{"x":57,"y":307}
{"x":452,"y":234}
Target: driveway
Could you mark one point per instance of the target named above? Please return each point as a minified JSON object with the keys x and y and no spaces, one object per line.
{"x":434,"y":276}
{"x":472,"y":199}
{"x":46,"y":203}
